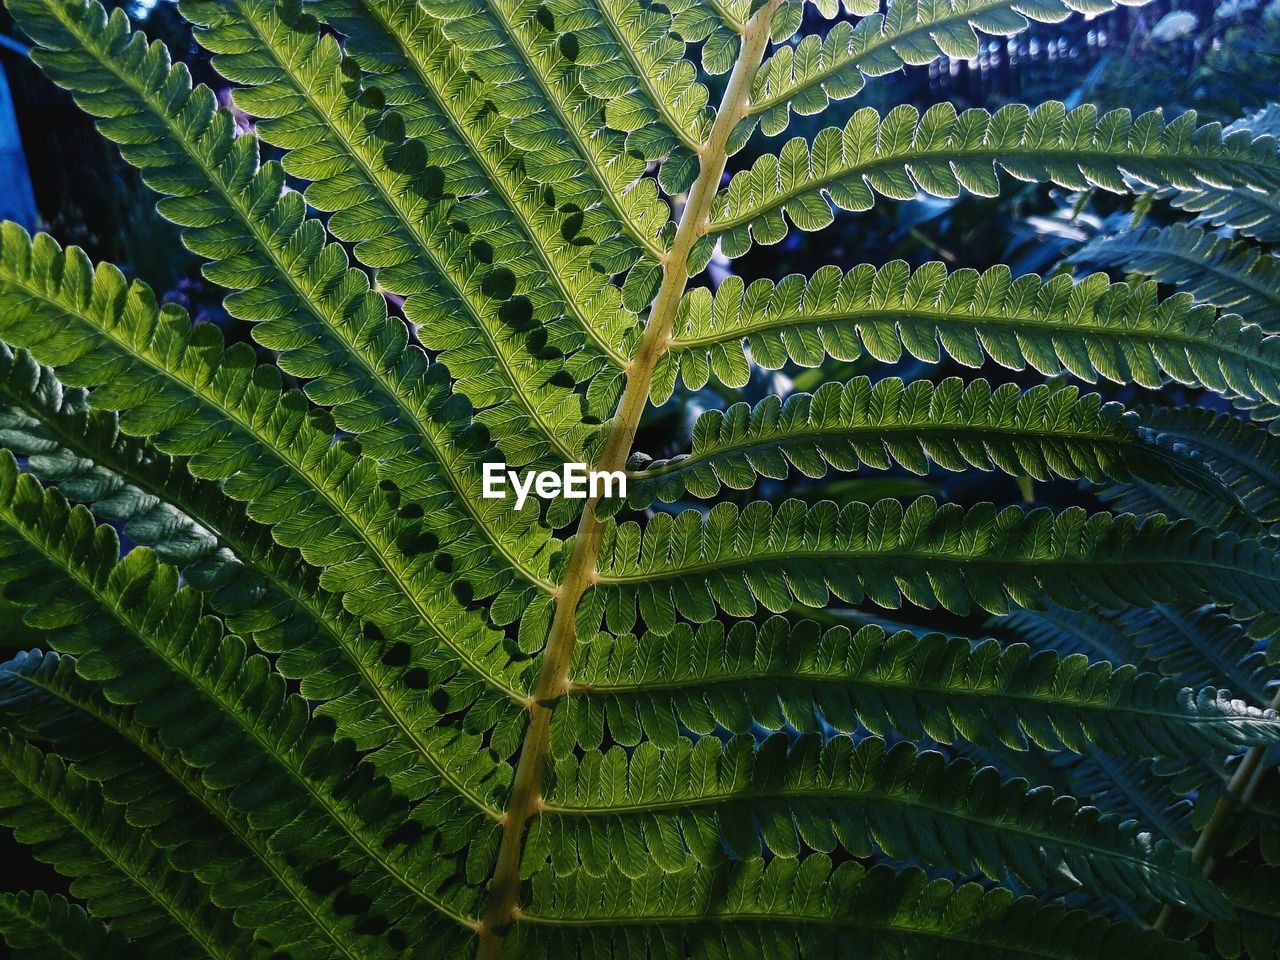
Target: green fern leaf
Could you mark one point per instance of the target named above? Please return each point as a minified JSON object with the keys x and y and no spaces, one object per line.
{"x":1093,"y":329}
{"x":1244,"y":456}
{"x":1251,"y":211}
{"x":148,"y":642}
{"x":797,"y":675}
{"x":38,"y":926}
{"x":178,"y":385}
{"x":944,"y":153}
{"x":119,"y":872}
{"x":1211,"y":268}
{"x":716,"y":24}
{"x":806,"y":908}
{"x":737,"y":799}
{"x":199,"y":827}
{"x":258,"y":587}
{"x":370,"y":711}
{"x":1041,"y":433}
{"x":806,"y":78}
{"x":927,"y":554}
{"x":293,"y":285}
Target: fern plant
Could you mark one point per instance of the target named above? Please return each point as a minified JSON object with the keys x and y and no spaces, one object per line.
{"x":298,"y":689}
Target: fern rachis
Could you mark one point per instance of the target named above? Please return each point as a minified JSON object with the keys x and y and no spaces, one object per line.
{"x":406,"y":720}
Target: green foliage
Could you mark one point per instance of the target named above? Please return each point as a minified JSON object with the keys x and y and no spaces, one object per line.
{"x":308,"y":693}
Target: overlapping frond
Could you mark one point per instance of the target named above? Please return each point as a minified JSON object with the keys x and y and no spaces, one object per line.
{"x":808,"y":76}
{"x":1091,"y":328}
{"x":37,"y":926}
{"x":230,"y":717}
{"x":1198,"y":646}
{"x":260,"y":588}
{"x":199,"y":828}
{"x":1251,"y":211}
{"x":790,"y":909}
{"x":1243,"y":455}
{"x":219,"y":408}
{"x":1193,"y":645}
{"x":1211,"y":268}
{"x":178,"y":385}
{"x":796,"y":674}
{"x":711,"y":802}
{"x":328,"y":324}
{"x":1041,"y":433}
{"x":944,"y":153}
{"x":431,"y":225}
{"x":118,"y":870}
{"x":526,"y":55}
{"x":929,"y":555}
{"x":560,"y":245}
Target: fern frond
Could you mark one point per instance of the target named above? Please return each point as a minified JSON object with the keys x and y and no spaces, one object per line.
{"x":711,"y":801}
{"x":178,"y":385}
{"x":1198,"y":646}
{"x":1041,"y":433}
{"x":40,"y":926}
{"x":944,"y":153}
{"x":790,"y":909}
{"x":300,"y":292}
{"x":798,"y":675}
{"x":230,"y":716}
{"x":83,"y":452}
{"x":498,"y":85}
{"x":1130,"y":787}
{"x":258,"y":587}
{"x":927,"y":554}
{"x":1212,"y":269}
{"x":808,"y":76}
{"x":418,"y":72}
{"x":198,"y":826}
{"x":118,"y":870}
{"x":637,"y":66}
{"x":1194,"y":646}
{"x":1091,"y":328}
{"x":1244,"y":457}
{"x":1251,"y":211}
{"x":714,"y":24}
